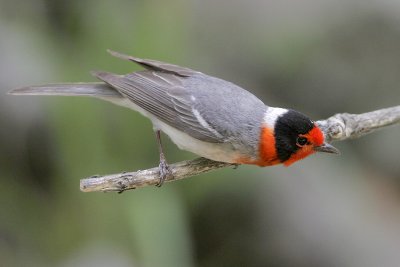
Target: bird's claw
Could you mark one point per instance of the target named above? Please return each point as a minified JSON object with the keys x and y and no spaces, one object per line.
{"x":165,"y":172}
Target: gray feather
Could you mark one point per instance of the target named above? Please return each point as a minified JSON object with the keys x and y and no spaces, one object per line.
{"x":163,"y":95}
{"x":151,"y":64}
{"x":232,"y":114}
{"x":204,"y":107}
{"x":232,"y":111}
{"x":69,"y":89}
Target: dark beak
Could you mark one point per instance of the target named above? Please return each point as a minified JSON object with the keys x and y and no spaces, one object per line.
{"x":327,"y":148}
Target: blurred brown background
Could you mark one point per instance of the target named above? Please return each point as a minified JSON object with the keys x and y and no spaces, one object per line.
{"x":317,"y":56}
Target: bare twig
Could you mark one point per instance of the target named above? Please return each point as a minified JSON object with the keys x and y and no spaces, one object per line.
{"x":131,"y":180}
{"x":336,"y":128}
{"x":345,"y":126}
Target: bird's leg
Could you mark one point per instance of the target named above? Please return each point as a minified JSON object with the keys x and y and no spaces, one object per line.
{"x":165,"y":171}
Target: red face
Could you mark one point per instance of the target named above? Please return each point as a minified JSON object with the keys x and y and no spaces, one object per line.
{"x":309,"y":141}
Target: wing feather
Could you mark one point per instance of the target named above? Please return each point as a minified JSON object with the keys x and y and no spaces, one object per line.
{"x":163,"y":95}
{"x":151,"y":64}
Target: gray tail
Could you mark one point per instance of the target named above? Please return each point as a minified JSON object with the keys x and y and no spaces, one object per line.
{"x":100,"y":90}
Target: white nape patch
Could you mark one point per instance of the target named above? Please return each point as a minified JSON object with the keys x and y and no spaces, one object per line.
{"x":272,"y":114}
{"x":192,"y":98}
{"x":203,"y":123}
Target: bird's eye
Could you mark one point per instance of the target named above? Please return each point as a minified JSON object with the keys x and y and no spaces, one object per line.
{"x":301,"y":141}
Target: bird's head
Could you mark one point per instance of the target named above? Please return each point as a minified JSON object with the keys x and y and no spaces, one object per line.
{"x":296,"y":137}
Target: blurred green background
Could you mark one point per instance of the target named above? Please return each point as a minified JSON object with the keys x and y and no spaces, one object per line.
{"x":319,"y":57}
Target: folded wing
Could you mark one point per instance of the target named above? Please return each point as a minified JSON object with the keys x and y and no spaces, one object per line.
{"x":162,"y":94}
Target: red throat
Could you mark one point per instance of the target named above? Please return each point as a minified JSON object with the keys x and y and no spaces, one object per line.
{"x":299,"y":155}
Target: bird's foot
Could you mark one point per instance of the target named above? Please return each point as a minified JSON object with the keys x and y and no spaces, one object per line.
{"x":165,"y":172}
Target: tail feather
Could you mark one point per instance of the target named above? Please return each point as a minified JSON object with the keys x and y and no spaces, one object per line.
{"x":69,"y":89}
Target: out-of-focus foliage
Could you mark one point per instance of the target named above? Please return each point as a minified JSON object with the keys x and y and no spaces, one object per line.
{"x":319,"y":57}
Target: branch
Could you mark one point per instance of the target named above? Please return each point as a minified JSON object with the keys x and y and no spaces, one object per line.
{"x":349,"y":126}
{"x":131,"y":180}
{"x":336,"y":128}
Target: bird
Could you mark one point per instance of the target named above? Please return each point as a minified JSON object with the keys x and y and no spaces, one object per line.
{"x":202,"y":114}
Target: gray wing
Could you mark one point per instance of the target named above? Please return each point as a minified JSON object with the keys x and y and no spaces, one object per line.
{"x":151,"y":64}
{"x":162,"y":93}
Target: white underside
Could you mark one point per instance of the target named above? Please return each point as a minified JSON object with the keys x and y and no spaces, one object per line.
{"x":216,"y":151}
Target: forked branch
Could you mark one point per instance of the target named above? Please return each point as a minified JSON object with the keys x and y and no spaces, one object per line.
{"x":336,"y":128}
